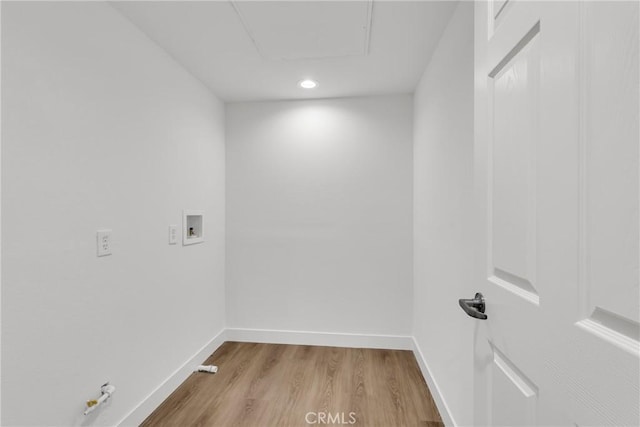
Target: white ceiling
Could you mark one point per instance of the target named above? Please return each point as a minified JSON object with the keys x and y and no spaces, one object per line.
{"x":307,"y":29}
{"x":260,"y":50}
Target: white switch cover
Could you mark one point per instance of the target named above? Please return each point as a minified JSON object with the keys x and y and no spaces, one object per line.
{"x":104,"y":242}
{"x":173,"y":234}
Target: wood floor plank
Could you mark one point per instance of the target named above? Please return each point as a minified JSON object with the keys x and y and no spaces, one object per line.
{"x":288,"y":385}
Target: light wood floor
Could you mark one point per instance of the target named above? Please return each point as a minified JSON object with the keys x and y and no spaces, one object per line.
{"x":278,"y":385}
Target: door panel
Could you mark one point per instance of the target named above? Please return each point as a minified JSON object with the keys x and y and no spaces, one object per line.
{"x":514,"y":396}
{"x":558,"y":197}
{"x":498,"y":6}
{"x":514,"y":88}
{"x":610,"y":188}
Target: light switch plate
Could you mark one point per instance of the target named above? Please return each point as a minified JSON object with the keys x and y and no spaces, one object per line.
{"x":104,"y":242}
{"x":173,"y":234}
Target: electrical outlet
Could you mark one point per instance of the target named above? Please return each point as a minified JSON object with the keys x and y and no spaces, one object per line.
{"x":104,"y":242}
{"x":173,"y":234}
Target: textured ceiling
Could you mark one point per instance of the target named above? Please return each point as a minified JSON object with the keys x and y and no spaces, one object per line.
{"x":246,"y":50}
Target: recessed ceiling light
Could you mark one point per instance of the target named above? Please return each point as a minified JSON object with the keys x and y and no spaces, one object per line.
{"x":308,"y":84}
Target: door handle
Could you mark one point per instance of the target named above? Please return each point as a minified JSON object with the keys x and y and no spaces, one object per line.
{"x":474,"y":307}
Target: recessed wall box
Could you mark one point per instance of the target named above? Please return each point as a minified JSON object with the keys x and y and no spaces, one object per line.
{"x":192,"y":227}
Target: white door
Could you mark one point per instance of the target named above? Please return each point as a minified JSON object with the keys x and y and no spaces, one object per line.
{"x":557,"y":180}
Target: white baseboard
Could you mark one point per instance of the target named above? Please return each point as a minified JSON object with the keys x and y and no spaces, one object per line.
{"x":438,"y":398}
{"x":390,"y":342}
{"x":157,"y":396}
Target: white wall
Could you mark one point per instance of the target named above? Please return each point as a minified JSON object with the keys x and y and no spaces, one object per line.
{"x":443,"y":192}
{"x":0,"y":215}
{"x":319,"y":206}
{"x":101,"y":129}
